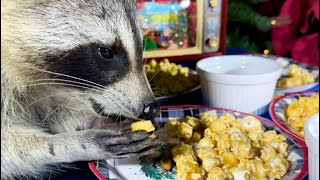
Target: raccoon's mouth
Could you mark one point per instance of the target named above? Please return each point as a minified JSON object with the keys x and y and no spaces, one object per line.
{"x":99,"y":109}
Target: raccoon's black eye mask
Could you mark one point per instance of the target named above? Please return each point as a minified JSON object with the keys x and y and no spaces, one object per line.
{"x":95,"y":63}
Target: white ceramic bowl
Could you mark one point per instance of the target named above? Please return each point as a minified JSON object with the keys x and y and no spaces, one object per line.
{"x":240,"y":82}
{"x":312,"y":140}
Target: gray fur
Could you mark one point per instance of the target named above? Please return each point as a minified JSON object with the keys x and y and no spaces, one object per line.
{"x":45,"y":121}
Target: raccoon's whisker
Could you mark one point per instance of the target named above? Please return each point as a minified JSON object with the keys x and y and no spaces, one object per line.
{"x":66,"y":84}
{"x":30,"y":104}
{"x":59,"y":74}
{"x":154,"y":76}
{"x":145,"y":60}
{"x":158,"y":92}
{"x":21,"y":107}
{"x":115,"y":95}
{"x":63,"y":80}
{"x":14,"y":103}
{"x":120,"y":122}
{"x":156,"y":89}
{"x":123,"y":108}
{"x":55,"y":107}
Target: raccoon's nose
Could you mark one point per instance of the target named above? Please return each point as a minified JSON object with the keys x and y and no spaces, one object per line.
{"x":150,"y":111}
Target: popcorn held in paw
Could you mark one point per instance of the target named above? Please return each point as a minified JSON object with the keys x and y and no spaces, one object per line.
{"x":144,"y":125}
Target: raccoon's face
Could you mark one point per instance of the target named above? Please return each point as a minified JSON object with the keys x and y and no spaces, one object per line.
{"x":90,"y":46}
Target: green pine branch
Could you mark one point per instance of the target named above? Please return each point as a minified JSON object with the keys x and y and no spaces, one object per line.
{"x":242,"y":12}
{"x":235,"y":40}
{"x":269,"y":46}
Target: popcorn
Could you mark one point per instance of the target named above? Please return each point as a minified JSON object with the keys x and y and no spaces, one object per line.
{"x":297,"y":77}
{"x":206,"y":118}
{"x":229,"y":148}
{"x":185,"y":130}
{"x":171,"y":127}
{"x":300,"y":111}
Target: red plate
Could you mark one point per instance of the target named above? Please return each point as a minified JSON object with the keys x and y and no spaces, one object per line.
{"x":277,"y":111}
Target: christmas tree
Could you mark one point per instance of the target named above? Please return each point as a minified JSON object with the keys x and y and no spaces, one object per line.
{"x":248,"y":28}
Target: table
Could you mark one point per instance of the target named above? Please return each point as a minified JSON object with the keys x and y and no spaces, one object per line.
{"x":83,"y":172}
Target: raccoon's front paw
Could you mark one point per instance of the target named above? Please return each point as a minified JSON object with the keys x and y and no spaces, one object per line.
{"x":133,"y":144}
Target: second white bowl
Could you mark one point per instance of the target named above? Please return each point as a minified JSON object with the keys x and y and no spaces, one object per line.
{"x":312,"y":140}
{"x":240,"y":82}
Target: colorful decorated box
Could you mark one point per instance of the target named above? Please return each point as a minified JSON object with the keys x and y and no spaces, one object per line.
{"x":183,"y":29}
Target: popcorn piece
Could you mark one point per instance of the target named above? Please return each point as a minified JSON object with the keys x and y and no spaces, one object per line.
{"x":153,"y":136}
{"x":268,"y":136}
{"x":184,"y":152}
{"x":196,"y":136}
{"x":218,"y":126}
{"x":171,"y":127}
{"x":210,"y":162}
{"x":278,"y":167}
{"x":206,"y":118}
{"x":255,"y":136}
{"x":153,"y":63}
{"x":202,"y":153}
{"x":223,"y":143}
{"x":185,"y":131}
{"x":259,"y":169}
{"x":241,"y":174}
{"x":236,"y":124}
{"x":192,"y":172}
{"x":193,"y":122}
{"x":205,"y":143}
{"x":229,"y":160}
{"x":209,"y":134}
{"x":268,"y":153}
{"x":239,"y":136}
{"x":233,"y":130}
{"x":243,"y":150}
{"x":142,"y":125}
{"x":294,"y":70}
{"x":166,"y":163}
{"x":227,"y":118}
{"x":217,"y":174}
{"x":250,"y":123}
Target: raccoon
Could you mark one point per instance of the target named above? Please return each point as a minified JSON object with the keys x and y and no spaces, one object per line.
{"x":70,"y":71}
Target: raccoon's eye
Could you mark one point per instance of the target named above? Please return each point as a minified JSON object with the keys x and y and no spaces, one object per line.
{"x":106,"y":53}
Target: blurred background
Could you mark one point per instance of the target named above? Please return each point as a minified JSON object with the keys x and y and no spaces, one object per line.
{"x":283,"y":27}
{"x":288,"y":28}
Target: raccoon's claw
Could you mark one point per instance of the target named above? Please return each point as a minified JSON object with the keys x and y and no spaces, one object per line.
{"x":123,"y":125}
{"x":134,"y":144}
{"x":154,"y":151}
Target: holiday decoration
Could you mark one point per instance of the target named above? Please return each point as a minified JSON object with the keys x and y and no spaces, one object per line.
{"x":248,"y":28}
{"x":300,"y":38}
{"x":166,"y":24}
